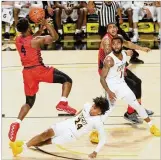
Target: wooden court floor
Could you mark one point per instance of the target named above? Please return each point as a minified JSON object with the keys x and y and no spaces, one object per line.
{"x":124,"y":141}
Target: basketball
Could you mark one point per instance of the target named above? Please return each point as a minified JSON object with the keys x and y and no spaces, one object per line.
{"x":36,"y":14}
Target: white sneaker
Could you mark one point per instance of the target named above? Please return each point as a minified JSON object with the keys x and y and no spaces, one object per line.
{"x":134,"y":38}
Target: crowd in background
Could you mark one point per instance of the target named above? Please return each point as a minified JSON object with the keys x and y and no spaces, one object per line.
{"x":78,"y":11}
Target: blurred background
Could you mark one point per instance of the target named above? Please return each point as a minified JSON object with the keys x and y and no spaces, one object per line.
{"x":82,"y":24}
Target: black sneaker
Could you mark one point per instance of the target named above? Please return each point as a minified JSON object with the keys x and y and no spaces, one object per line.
{"x":149,"y":112}
{"x":136,"y":61}
{"x":132,"y":118}
{"x":6,"y":36}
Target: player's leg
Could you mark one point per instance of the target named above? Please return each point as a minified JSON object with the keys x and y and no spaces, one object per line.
{"x":126,"y":93}
{"x":40,"y":139}
{"x":53,"y":75}
{"x":31,"y":87}
{"x":14,"y":127}
{"x":136,"y":88}
{"x":131,"y":114}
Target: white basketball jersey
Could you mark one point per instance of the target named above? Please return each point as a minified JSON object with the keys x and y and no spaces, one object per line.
{"x":83,"y":122}
{"x":116,"y":73}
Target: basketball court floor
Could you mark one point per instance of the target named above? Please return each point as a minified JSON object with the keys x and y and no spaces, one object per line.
{"x":124,"y":141}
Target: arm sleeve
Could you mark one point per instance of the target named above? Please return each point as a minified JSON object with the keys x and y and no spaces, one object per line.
{"x":102,"y":135}
{"x":18,"y":5}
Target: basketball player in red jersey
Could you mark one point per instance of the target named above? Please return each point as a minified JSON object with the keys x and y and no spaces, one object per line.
{"x":35,"y":71}
{"x":132,"y":80}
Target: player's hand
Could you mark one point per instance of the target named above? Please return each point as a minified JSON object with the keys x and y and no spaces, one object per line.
{"x":112,"y":96}
{"x":129,"y":52}
{"x":50,"y":11}
{"x":92,"y":155}
{"x":145,"y":49}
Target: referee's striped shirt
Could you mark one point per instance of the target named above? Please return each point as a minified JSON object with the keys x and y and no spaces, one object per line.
{"x":106,"y":13}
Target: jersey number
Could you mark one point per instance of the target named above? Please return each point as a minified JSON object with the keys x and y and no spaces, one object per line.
{"x":78,"y":123}
{"x":23,"y":51}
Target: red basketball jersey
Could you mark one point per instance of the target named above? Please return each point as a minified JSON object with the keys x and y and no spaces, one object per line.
{"x":29,"y":56}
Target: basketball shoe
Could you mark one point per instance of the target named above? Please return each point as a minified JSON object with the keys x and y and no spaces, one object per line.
{"x":94,"y":137}
{"x":17,"y":147}
{"x":155,"y":131}
{"x":14,"y":127}
{"x":63,"y":106}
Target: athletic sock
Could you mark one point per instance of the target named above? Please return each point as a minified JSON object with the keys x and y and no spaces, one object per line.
{"x":150,"y":124}
{"x":18,"y":121}
{"x":130,"y":110}
{"x":64,"y":99}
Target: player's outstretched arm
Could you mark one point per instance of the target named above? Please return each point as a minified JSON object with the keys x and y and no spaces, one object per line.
{"x":98,"y":125}
{"x":131,"y":45}
{"x":52,"y":31}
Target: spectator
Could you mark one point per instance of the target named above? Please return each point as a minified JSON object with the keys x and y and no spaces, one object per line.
{"x":140,"y":10}
{"x":126,"y":6}
{"x":110,"y":12}
{"x":71,"y":11}
{"x":7,"y":17}
{"x":107,"y":11}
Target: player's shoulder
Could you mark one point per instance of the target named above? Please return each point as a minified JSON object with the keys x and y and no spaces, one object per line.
{"x":109,"y":60}
{"x":87,"y":106}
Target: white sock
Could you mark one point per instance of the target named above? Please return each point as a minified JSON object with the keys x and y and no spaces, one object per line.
{"x":64,"y":99}
{"x":150,"y":124}
{"x":18,"y":121}
{"x":77,"y":31}
{"x":60,"y":31}
{"x":136,"y":31}
{"x":7,"y":28}
{"x":84,"y":28}
{"x":24,"y":147}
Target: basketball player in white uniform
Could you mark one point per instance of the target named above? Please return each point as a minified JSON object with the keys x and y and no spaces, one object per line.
{"x":89,"y":118}
{"x":112,"y":80}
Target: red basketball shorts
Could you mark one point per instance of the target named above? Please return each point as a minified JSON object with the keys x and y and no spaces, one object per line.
{"x":33,"y":76}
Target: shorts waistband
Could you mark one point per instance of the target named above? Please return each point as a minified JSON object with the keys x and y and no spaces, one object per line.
{"x":30,"y":67}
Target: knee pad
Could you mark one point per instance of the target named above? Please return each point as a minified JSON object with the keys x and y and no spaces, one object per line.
{"x":30,"y":100}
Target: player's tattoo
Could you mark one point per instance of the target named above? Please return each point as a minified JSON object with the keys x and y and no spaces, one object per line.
{"x":106,"y":46}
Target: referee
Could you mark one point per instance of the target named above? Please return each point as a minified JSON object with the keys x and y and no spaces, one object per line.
{"x":110,"y":12}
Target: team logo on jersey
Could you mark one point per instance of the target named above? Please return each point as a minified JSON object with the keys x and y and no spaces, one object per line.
{"x":120,"y":68}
